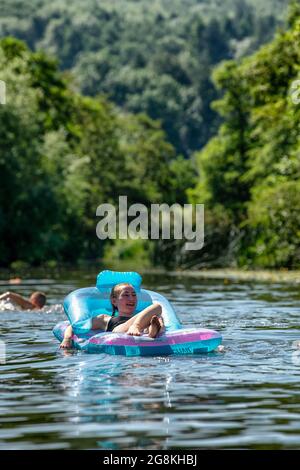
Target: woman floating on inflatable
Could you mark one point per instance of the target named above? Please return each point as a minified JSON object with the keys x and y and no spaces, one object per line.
{"x":146,"y":324}
{"x":123,"y":299}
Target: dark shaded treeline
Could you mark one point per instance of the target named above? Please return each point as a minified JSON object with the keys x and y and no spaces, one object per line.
{"x":62,"y":154}
{"x":250,"y":171}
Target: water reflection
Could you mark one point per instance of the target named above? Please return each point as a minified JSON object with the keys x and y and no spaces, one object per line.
{"x":116,"y":397}
{"x":247,"y":397}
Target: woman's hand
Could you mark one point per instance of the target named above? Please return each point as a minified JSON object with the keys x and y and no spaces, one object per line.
{"x":66,"y":344}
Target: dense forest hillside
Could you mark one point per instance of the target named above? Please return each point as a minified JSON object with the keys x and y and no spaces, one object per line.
{"x":154,"y":57}
{"x":63,"y":154}
{"x":250,"y":171}
{"x":72,"y":135}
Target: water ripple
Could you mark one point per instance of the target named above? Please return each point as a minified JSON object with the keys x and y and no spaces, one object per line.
{"x":245,"y":397}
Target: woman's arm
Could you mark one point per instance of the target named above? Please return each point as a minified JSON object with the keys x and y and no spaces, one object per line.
{"x":100,"y":322}
{"x":67,"y":341}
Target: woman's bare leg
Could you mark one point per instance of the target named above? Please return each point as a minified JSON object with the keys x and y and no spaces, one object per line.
{"x":136,"y":325}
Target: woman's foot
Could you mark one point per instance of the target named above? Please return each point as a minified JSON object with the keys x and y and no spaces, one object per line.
{"x":154,"y":327}
{"x":134,"y":330}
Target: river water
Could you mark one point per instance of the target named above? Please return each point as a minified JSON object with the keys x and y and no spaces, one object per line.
{"x":247,"y":396}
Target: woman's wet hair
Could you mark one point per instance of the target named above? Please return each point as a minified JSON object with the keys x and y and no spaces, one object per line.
{"x":115,"y":292}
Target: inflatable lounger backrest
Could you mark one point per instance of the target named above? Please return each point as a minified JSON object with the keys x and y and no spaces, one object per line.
{"x":84,"y":304}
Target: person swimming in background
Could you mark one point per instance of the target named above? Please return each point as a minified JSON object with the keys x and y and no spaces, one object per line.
{"x":123,"y":299}
{"x":36,"y":301}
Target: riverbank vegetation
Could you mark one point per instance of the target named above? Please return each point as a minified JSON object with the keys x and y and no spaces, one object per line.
{"x":162,"y":105}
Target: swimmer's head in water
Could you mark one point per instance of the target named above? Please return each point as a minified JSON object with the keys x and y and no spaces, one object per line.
{"x":38,"y":299}
{"x":123,"y":298}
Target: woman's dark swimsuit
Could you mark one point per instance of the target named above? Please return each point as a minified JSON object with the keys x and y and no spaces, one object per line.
{"x":116,"y":321}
